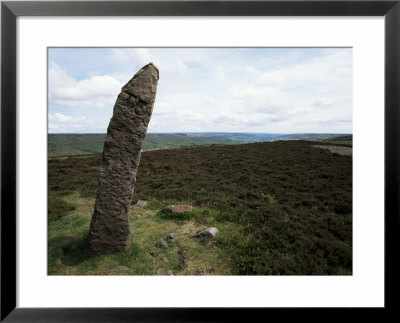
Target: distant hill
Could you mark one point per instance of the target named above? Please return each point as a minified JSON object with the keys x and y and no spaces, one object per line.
{"x":74,"y":144}
{"x":83,"y":144}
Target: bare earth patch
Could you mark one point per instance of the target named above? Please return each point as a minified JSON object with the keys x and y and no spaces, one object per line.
{"x":345,"y":151}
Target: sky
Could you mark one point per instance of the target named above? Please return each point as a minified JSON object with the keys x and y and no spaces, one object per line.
{"x":264,"y":90}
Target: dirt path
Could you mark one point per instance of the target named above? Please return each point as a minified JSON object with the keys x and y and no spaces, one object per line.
{"x":346,"y":151}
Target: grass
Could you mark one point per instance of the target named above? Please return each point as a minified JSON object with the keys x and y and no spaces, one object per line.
{"x":67,"y":245}
{"x":281,"y":208}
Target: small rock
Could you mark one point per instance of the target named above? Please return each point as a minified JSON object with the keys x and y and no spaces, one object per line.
{"x":155,"y":254}
{"x":119,"y":268}
{"x":161,"y":244}
{"x":177,"y":208}
{"x":161,"y":272}
{"x":171,"y":237}
{"x":141,"y":203}
{"x":182,"y":254}
{"x":210,"y":232}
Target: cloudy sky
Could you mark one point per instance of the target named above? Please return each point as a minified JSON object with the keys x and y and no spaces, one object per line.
{"x":270,"y":90}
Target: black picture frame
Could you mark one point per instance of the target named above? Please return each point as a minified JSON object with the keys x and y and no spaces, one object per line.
{"x":10,"y":10}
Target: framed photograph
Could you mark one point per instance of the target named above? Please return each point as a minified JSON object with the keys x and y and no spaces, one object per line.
{"x":298,"y":103}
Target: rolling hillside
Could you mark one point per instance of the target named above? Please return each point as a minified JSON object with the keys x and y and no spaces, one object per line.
{"x":281,"y":208}
{"x":84,"y":144}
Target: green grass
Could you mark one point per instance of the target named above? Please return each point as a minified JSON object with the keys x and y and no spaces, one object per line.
{"x":74,"y":144}
{"x":281,"y":208}
{"x":67,"y":245}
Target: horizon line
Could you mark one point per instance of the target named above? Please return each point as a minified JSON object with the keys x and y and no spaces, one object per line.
{"x":185,"y":132}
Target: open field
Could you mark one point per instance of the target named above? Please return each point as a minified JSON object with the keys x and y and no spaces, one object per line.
{"x":281,"y":208}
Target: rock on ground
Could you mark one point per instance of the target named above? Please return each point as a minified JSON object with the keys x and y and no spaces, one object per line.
{"x":177,"y":208}
{"x":171,"y":237}
{"x":155,"y":254}
{"x":161,"y":272}
{"x":110,"y":229}
{"x":182,"y":254}
{"x":210,"y":232}
{"x":161,"y":244}
{"x":141,"y":203}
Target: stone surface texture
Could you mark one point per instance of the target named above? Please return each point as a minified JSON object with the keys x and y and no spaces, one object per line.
{"x":110,"y":229}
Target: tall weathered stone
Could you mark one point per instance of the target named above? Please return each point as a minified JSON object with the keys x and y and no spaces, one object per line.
{"x":110,"y":228}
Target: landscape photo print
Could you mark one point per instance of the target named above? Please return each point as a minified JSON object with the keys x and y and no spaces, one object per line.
{"x":200,"y":161}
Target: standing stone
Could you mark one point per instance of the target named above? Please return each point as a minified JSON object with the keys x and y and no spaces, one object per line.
{"x":110,"y":228}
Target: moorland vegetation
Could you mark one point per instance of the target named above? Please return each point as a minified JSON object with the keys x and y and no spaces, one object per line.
{"x":281,"y":208}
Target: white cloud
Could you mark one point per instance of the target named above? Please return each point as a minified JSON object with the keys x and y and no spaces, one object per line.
{"x":94,"y":92}
{"x":135,"y":58}
{"x":59,"y":117}
{"x":59,"y":122}
{"x":241,"y":90}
